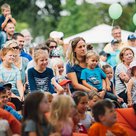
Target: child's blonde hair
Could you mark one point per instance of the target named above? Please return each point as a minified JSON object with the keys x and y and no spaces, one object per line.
{"x":91,"y":54}
{"x":60,"y":108}
{"x":39,"y":53}
{"x":56,"y":61}
{"x":5,"y":6}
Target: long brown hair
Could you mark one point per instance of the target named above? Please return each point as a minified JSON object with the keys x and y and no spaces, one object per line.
{"x":31,"y":111}
{"x":72,"y":55}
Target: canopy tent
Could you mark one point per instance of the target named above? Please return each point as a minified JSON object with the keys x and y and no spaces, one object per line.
{"x":98,"y":34}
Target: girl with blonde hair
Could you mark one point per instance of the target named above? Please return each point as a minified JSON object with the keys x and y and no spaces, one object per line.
{"x":60,"y":114}
{"x":41,"y":77}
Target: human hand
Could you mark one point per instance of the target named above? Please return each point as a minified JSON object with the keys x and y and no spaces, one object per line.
{"x":94,"y":89}
{"x":9,"y":16}
{"x":120,"y":99}
{"x":130,"y":103}
{"x":102,"y":94}
{"x":108,"y":88}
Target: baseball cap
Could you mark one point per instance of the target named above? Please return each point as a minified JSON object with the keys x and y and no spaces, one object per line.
{"x":1,"y":87}
{"x":56,"y":34}
{"x":54,"y":53}
{"x":131,"y":37}
{"x":103,"y":53}
{"x":5,"y":84}
{"x":114,"y":41}
{"x":63,"y":81}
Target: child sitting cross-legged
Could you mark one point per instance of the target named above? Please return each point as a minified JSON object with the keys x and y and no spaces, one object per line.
{"x":105,"y":117}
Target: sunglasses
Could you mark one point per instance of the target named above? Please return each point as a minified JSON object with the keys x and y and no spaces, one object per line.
{"x":17,"y":47}
{"x":51,"y":47}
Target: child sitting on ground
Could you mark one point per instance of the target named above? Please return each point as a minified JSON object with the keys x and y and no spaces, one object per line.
{"x":105,"y":117}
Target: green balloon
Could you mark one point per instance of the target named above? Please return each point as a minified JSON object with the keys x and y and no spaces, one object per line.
{"x":134,"y":18}
{"x":115,"y":11}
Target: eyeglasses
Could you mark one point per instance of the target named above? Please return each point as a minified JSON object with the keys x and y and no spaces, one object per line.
{"x":17,"y":47}
{"x":52,"y":47}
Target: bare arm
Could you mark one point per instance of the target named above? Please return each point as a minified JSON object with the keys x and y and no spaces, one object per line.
{"x":6,"y":21}
{"x":20,"y":89}
{"x":129,"y":88}
{"x":72,"y":76}
{"x":89,"y":86}
{"x":107,"y":83}
{"x":124,"y":77}
{"x":57,"y":86}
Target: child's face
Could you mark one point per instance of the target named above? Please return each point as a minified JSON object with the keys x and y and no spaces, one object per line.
{"x":9,"y":57}
{"x":61,"y":68}
{"x":91,"y":102}
{"x":109,"y":118}
{"x":44,"y":105}
{"x":92,"y":62}
{"x":103,"y":58}
{"x":42,"y":62}
{"x":109,"y":73}
{"x":6,"y":12}
{"x":8,"y":91}
{"x":82,"y":105}
{"x":3,"y":98}
{"x":115,"y":46}
{"x":128,"y":56}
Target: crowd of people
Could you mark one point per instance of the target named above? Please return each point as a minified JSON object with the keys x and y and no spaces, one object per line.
{"x":59,"y":89}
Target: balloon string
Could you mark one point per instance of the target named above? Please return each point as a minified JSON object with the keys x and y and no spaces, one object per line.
{"x":112,"y":22}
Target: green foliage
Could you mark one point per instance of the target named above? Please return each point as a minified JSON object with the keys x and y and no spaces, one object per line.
{"x":82,"y":17}
{"x":20,"y":26}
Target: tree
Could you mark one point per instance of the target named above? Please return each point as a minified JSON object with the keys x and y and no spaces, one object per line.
{"x":26,"y":11}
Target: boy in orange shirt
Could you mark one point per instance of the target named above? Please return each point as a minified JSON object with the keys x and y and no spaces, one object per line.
{"x":105,"y":117}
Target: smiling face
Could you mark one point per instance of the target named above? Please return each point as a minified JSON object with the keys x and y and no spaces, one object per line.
{"x":42,"y":62}
{"x":116,"y":33}
{"x":20,"y":41}
{"x":92,"y":62}
{"x":109,"y":73}
{"x":9,"y":57}
{"x":60,"y":68}
{"x":80,"y":49}
{"x":128,"y":56}
{"x":10,"y":28}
